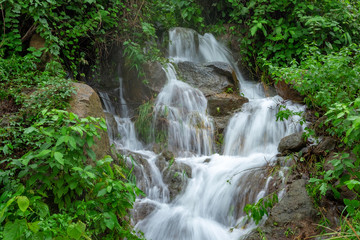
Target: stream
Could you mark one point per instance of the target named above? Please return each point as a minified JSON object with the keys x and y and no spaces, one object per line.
{"x":217,"y":186}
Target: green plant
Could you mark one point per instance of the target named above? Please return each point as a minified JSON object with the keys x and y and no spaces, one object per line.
{"x":289,"y":232}
{"x":144,"y":121}
{"x":258,"y":210}
{"x":63,"y":191}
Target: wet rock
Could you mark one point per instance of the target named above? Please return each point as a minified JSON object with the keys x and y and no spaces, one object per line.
{"x":269,"y":90}
{"x":175,"y":175}
{"x":221,"y":123}
{"x":111,"y":125}
{"x":224,"y":69}
{"x":142,"y":210}
{"x":141,"y":168}
{"x":292,"y":143}
{"x":294,"y":215}
{"x":327,"y":144}
{"x":225,"y":104}
{"x":295,"y":206}
{"x":140,"y":89}
{"x":287,"y":91}
{"x":205,"y":78}
{"x":85,"y":102}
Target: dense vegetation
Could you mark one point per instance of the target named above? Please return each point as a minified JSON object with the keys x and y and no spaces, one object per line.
{"x":47,"y":187}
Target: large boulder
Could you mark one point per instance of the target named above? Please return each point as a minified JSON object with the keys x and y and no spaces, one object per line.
{"x":326,"y":145}
{"x":140,"y":89}
{"x":175,"y":175}
{"x":225,"y":104}
{"x":210,"y":78}
{"x":292,"y":143}
{"x":86,"y":103}
{"x":287,"y":91}
{"x":294,"y":215}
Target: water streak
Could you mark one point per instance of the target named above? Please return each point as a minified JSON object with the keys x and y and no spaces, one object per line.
{"x":189,"y":128}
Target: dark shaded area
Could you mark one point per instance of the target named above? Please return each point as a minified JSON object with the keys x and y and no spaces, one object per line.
{"x":8,"y":105}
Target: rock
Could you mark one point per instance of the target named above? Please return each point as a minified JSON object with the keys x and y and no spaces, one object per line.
{"x":85,"y":102}
{"x":142,"y":89}
{"x":221,"y":123}
{"x":292,"y":143}
{"x":112,"y":126}
{"x":269,"y":90}
{"x":142,"y":210}
{"x":296,"y":206}
{"x":205,"y":78}
{"x":175,"y":175}
{"x":141,"y":168}
{"x":226,"y":70}
{"x":225,"y":104}
{"x":294,"y":215}
{"x":286,"y":91}
{"x":327,"y":144}
{"x":37,"y":41}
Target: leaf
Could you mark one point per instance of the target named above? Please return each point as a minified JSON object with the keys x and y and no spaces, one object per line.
{"x":59,"y":157}
{"x":43,"y":153}
{"x":61,"y":140}
{"x":253,"y":30}
{"x":23,"y":203}
{"x":102,"y":192}
{"x":351,"y":183}
{"x":110,"y":220}
{"x":72,"y":142}
{"x":34,"y":227}
{"x":29,"y":130}
{"x":74,"y":231}
{"x":14,"y":230}
{"x":91,"y":154}
{"x":43,"y":209}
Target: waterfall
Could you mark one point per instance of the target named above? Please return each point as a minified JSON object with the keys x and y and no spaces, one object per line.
{"x":210,"y":206}
{"x":122,"y":132}
{"x":189,"y":129}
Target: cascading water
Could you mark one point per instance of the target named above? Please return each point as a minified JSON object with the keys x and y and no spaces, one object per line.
{"x":211,"y":205}
{"x":189,"y":129}
{"x":122,"y":133}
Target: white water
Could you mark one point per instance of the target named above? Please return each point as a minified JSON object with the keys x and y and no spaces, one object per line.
{"x":190,"y":129}
{"x":211,"y":205}
{"x":121,"y":133}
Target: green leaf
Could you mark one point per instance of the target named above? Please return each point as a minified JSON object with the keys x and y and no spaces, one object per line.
{"x":110,"y":220}
{"x":14,"y":230}
{"x":72,"y":142}
{"x":91,"y":154}
{"x":102,"y":192}
{"x":42,"y":208}
{"x":43,"y":153}
{"x":253,"y":30}
{"x":76,"y":230}
{"x":352,"y":183}
{"x":23,"y":203}
{"x":34,"y":226}
{"x":61,"y":140}
{"x":59,"y":157}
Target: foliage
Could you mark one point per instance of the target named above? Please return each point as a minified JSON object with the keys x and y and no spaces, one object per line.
{"x":144,"y":122}
{"x":330,"y":83}
{"x":258,"y":210}
{"x":277,"y":32}
{"x":91,"y":197}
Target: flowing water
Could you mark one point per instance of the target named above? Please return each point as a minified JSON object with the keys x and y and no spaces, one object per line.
{"x":211,"y":204}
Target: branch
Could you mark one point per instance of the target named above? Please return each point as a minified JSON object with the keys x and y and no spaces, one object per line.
{"x":29,"y":32}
